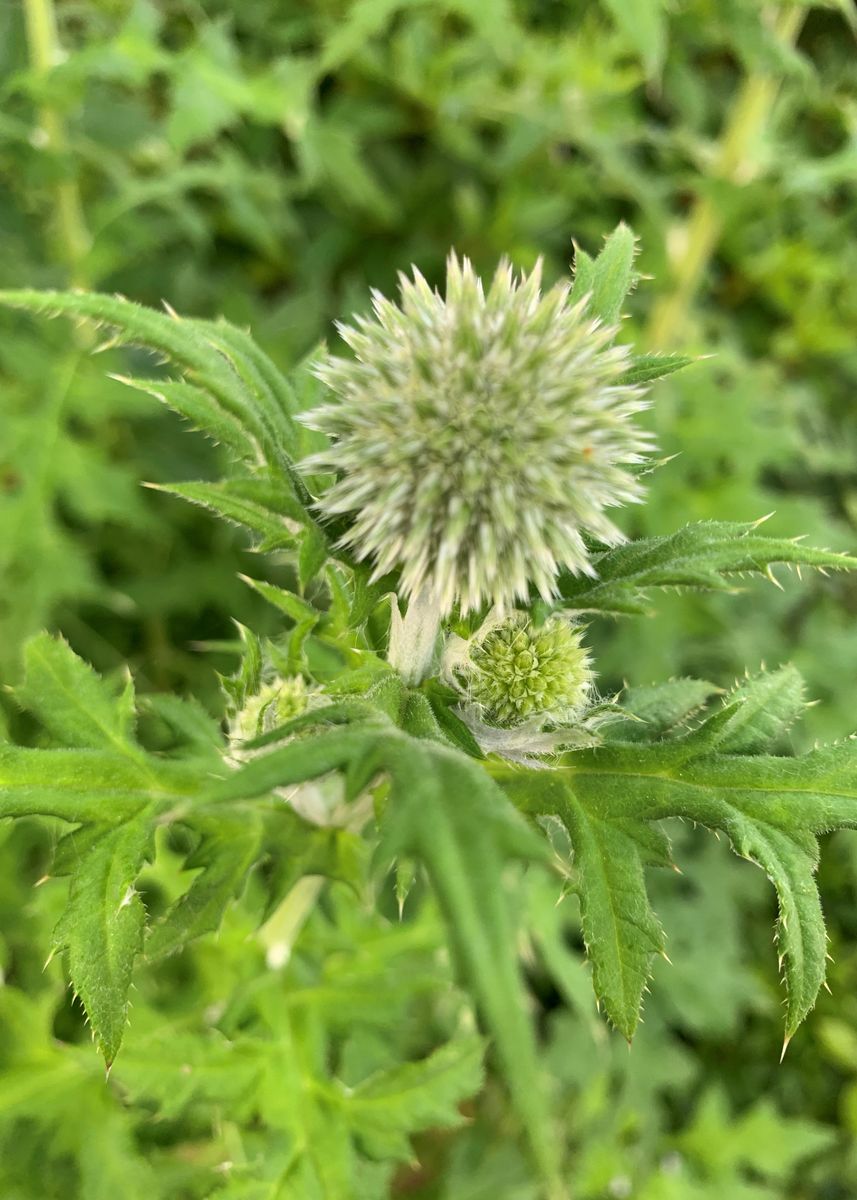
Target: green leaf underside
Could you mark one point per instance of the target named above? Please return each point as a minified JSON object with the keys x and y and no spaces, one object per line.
{"x":708,"y":555}
{"x":772,"y":809}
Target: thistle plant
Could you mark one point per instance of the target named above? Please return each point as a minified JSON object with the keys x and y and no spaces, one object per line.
{"x":477,"y":443}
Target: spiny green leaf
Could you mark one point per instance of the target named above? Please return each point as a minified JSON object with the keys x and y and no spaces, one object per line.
{"x":295,"y":607}
{"x":707,"y":555}
{"x":228,"y":847}
{"x":71,"y":701}
{"x":262,"y":506}
{"x":660,"y":707}
{"x":771,"y":808}
{"x":621,"y":932}
{"x":85,"y":785}
{"x":759,"y":711}
{"x":101,"y":930}
{"x":646,"y":368}
{"x":193,"y":726}
{"x":202,"y":411}
{"x":400,"y":1101}
{"x":247,"y":679}
{"x":608,"y":278}
{"x":219,"y":360}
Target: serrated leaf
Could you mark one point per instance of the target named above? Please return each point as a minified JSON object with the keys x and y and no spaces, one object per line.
{"x":621,"y":932}
{"x":228,"y":847}
{"x":253,"y":503}
{"x":607,"y":279}
{"x":101,"y":930}
{"x":295,"y":607}
{"x":247,"y":679}
{"x":71,"y":701}
{"x":221,"y":361}
{"x":708,"y":555}
{"x":660,"y":707}
{"x":772,"y":809}
{"x":199,"y":408}
{"x":189,"y":721}
{"x":116,"y":795}
{"x":409,"y":1097}
{"x":759,"y":712}
{"x":82,"y":785}
{"x":646,"y":368}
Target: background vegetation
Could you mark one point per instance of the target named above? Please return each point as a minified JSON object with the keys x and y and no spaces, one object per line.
{"x":272,"y":160}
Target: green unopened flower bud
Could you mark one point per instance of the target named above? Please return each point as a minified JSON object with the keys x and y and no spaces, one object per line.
{"x":477,"y":437}
{"x":274,"y":704}
{"x":518,"y":671}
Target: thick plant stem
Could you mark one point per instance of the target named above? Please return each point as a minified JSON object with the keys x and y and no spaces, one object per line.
{"x":413,"y":638}
{"x":69,"y":228}
{"x":701,"y":233}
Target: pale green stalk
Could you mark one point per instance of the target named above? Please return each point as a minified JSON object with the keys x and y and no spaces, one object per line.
{"x":69,"y":228}
{"x":733,"y":164}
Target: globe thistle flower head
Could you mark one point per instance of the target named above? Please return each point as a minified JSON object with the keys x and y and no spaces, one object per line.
{"x":516,"y":672}
{"x":477,"y":437}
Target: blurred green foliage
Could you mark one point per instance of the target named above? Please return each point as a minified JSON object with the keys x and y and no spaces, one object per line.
{"x":272,"y":160}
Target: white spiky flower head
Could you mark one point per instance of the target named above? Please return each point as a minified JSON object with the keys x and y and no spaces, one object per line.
{"x":477,"y":437}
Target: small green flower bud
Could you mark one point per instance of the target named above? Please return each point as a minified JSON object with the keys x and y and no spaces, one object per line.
{"x":517,"y":672}
{"x":274,"y":704}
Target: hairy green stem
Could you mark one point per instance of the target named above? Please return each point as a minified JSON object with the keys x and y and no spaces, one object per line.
{"x":699,"y":236}
{"x":69,"y":228}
